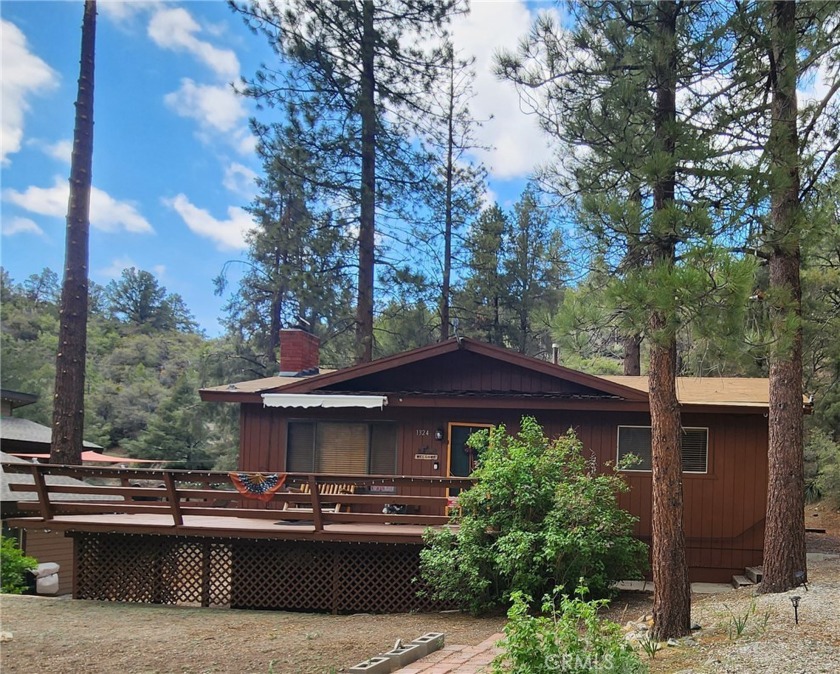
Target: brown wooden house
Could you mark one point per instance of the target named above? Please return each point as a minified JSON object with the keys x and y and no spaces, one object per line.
{"x":410,"y":414}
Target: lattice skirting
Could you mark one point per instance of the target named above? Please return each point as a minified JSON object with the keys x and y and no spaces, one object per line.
{"x":252,"y":574}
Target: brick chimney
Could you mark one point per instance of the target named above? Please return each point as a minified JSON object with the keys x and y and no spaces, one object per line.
{"x":299,"y":351}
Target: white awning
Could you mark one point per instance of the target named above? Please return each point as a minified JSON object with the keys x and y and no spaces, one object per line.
{"x":320,"y":400}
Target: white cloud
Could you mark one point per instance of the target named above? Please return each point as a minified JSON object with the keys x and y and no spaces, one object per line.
{"x":123,"y":10}
{"x":519,"y":143}
{"x":227,"y":234}
{"x":239,"y":179}
{"x":106,"y":213}
{"x":24,"y":75}
{"x":61,"y":150}
{"x":17,"y":225}
{"x":115,"y":269}
{"x":176,"y":29}
{"x":217,"y":109}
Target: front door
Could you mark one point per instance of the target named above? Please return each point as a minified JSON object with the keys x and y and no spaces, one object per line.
{"x":461,"y":458}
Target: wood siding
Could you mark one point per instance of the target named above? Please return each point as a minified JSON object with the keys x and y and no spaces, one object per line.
{"x":724,"y":508}
{"x":463,"y":371}
{"x":52,"y":546}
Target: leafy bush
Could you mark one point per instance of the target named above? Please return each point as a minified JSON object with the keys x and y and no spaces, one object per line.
{"x":539,"y":517}
{"x":13,"y":567}
{"x":573,"y":639}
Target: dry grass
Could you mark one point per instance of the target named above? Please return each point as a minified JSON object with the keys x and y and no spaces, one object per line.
{"x":62,"y":635}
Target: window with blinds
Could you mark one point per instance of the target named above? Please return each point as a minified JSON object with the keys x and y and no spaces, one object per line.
{"x":636,"y":440}
{"x":341,"y":447}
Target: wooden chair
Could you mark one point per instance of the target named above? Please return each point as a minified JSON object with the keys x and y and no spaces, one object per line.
{"x":325,"y":490}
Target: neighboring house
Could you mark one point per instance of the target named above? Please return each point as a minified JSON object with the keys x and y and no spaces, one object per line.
{"x":410,"y":414}
{"x":44,"y":544}
{"x":22,"y":435}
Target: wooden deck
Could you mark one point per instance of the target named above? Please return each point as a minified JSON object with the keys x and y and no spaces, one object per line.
{"x":187,"y":537}
{"x":229,"y":527}
{"x":204,"y":503}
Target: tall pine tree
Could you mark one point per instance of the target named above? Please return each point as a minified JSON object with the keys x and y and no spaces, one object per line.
{"x":69,"y":393}
{"x":352,"y":80}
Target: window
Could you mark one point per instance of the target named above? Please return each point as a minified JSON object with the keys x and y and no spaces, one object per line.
{"x":341,"y":447}
{"x":636,"y":440}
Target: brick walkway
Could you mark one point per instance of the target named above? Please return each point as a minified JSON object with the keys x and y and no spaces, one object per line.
{"x":457,"y":659}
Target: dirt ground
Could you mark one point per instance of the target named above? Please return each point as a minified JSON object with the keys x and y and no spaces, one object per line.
{"x":52,"y":635}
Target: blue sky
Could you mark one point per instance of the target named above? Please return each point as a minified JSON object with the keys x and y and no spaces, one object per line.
{"x":174,"y":161}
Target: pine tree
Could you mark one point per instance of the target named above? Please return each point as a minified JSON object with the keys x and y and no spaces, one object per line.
{"x":607,"y":91}
{"x":69,"y":393}
{"x":534,"y":264}
{"x":778,"y":45}
{"x":298,"y":258}
{"x":480,"y":303}
{"x":352,"y":79}
{"x":453,"y":195}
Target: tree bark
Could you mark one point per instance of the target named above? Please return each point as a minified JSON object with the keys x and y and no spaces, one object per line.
{"x":633,"y":355}
{"x":672,"y":590}
{"x":367,"y":222}
{"x":784,"y":538}
{"x":69,"y":393}
{"x":447,"y":234}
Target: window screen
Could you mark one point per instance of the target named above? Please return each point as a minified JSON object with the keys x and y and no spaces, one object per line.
{"x":341,"y":447}
{"x":300,"y":450}
{"x":636,"y":440}
{"x":383,"y":446}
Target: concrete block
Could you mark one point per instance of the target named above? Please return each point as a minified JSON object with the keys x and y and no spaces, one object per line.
{"x":377,"y":665}
{"x":431,"y":642}
{"x":405,"y":655}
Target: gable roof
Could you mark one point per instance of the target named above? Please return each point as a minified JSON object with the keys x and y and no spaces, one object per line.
{"x":250,"y":391}
{"x":697,"y":393}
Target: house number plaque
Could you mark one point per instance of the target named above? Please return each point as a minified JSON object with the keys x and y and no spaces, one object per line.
{"x":426,"y":457}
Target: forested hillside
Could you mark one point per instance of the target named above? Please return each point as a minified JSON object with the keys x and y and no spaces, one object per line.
{"x":145,"y":364}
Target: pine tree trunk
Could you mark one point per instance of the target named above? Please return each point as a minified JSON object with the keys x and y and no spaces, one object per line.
{"x":784,"y":537}
{"x":447,"y":234}
{"x":69,"y":395}
{"x":672,"y":590}
{"x":633,"y":355}
{"x":367,"y":223}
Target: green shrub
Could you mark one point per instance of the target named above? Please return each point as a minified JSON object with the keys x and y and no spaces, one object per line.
{"x":13,"y":567}
{"x":539,"y":517}
{"x":573,"y":639}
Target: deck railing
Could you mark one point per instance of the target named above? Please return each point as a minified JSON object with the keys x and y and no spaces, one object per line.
{"x":181,"y":493}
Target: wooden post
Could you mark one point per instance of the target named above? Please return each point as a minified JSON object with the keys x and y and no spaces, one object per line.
{"x":315,"y":498}
{"x":172,"y":497}
{"x":42,"y":491}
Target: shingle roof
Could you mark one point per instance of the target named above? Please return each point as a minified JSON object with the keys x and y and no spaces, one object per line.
{"x":24,"y":430}
{"x":741,"y":391}
{"x":259,"y":385}
{"x":7,"y":495}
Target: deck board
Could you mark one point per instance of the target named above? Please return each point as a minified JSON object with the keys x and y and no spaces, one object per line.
{"x":229,"y":527}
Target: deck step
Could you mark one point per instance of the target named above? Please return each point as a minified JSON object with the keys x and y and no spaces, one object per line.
{"x":741,"y":581}
{"x":754,"y":573}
